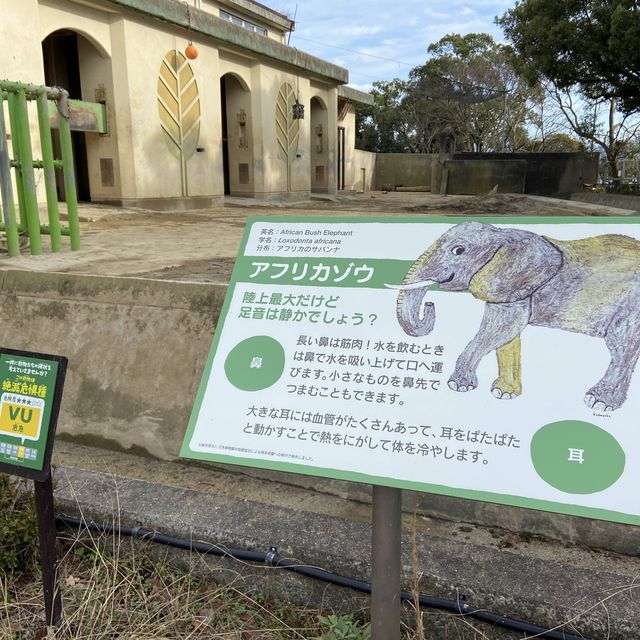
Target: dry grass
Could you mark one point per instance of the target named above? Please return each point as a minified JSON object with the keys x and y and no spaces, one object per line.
{"x":113,"y":590}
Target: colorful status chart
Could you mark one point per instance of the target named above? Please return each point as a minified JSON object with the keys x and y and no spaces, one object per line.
{"x":481,"y":357}
{"x":31,"y":386}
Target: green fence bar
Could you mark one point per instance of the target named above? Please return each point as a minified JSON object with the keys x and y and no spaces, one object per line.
{"x":8,"y":206}
{"x":28,"y":176}
{"x":27,"y":216}
{"x":69,"y":174}
{"x":17,"y":163}
{"x":49,"y":171}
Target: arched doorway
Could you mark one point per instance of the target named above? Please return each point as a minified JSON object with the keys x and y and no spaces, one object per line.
{"x":237,"y":144}
{"x":62,"y":69}
{"x":318,"y":145}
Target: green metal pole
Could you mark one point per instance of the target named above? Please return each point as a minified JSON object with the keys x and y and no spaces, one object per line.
{"x":15,"y":144}
{"x":28,"y":176}
{"x":49,"y":171}
{"x":8,"y":207}
{"x":69,"y":174}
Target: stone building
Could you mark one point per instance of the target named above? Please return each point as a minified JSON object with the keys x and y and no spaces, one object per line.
{"x":180,"y":131}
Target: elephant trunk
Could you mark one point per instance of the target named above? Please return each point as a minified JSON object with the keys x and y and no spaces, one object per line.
{"x":415,"y":315}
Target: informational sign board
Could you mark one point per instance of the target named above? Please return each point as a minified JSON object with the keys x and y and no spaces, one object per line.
{"x":491,"y":358}
{"x":30,"y":392}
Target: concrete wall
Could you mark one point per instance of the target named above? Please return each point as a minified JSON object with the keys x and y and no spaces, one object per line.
{"x":136,"y":351}
{"x":475,"y":177}
{"x":403,"y":170}
{"x":477,"y":173}
{"x":546,"y":173}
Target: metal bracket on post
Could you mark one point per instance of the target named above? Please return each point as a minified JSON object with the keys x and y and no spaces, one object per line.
{"x":386,"y":563}
{"x":68,"y":171}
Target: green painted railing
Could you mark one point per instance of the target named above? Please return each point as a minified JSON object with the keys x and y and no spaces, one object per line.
{"x":17,"y":95}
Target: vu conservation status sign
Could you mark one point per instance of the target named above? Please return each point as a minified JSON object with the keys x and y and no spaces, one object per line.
{"x":30,"y":391}
{"x":487,"y":358}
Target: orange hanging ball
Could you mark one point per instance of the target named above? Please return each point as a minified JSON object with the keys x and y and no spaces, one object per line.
{"x":191,"y":52}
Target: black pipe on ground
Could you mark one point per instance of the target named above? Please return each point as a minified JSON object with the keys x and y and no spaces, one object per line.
{"x":273,"y":559}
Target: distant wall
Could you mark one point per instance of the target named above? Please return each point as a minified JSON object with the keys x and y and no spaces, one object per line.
{"x":477,"y":173}
{"x":403,"y":170}
{"x":545,"y":173}
{"x":477,"y":176}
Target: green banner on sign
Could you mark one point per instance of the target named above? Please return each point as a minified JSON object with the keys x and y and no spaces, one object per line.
{"x":30,"y":388}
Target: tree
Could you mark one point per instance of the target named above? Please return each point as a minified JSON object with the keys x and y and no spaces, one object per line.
{"x":556,"y":143}
{"x":591,"y":44}
{"x":599,"y":122}
{"x":466,"y":90}
{"x":469,"y":83}
{"x":382,"y":126}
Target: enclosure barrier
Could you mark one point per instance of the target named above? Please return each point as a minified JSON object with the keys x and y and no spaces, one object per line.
{"x":17,"y":95}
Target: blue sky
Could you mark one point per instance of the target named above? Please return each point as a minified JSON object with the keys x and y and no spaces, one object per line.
{"x":394,"y":33}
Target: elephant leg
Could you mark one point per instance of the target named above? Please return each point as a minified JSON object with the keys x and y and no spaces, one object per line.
{"x":501,"y":324}
{"x":623,"y":342}
{"x":509,"y":381}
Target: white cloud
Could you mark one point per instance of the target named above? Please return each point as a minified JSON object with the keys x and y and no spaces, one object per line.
{"x":355,"y":31}
{"x":358,"y":33}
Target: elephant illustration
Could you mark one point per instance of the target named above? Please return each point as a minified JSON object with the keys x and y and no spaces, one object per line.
{"x":589,"y":286}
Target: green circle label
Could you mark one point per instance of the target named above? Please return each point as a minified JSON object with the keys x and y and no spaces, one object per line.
{"x":577,"y":457}
{"x":255,"y":363}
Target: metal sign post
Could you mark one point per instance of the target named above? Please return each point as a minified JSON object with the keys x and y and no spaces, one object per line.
{"x":330,"y":359}
{"x":30,"y":393}
{"x":48,"y":553}
{"x":386,"y":563}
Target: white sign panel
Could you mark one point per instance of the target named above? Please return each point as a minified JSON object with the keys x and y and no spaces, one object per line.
{"x":488,"y":358}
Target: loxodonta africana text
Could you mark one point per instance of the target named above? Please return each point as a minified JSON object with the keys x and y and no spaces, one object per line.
{"x":589,"y":286}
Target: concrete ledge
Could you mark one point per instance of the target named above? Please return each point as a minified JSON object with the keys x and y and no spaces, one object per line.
{"x":595,"y":594}
{"x":136,"y":352}
{"x":174,"y":204}
{"x":355,"y":95}
{"x":224,"y":32}
{"x":608,"y":199}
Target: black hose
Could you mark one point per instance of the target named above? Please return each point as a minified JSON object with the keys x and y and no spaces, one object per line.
{"x":273,"y":559}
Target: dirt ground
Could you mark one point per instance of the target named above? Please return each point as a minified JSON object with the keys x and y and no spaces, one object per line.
{"x":201,"y":245}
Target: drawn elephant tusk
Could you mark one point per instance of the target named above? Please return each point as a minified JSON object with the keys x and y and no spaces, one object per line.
{"x":426,"y":284}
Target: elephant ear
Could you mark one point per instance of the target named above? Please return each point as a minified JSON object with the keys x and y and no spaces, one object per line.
{"x":521,"y":265}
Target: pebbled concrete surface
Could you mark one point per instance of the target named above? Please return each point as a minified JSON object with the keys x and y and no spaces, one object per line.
{"x":592,"y":594}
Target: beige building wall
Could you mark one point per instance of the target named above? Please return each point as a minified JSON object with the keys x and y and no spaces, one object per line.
{"x":236,"y":72}
{"x":20,"y":26}
{"x":318,"y":152}
{"x":322,"y":114}
{"x":351,"y":176}
{"x":120,"y":54}
{"x":281,"y":173}
{"x":332,"y":129}
{"x":365,"y":170}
